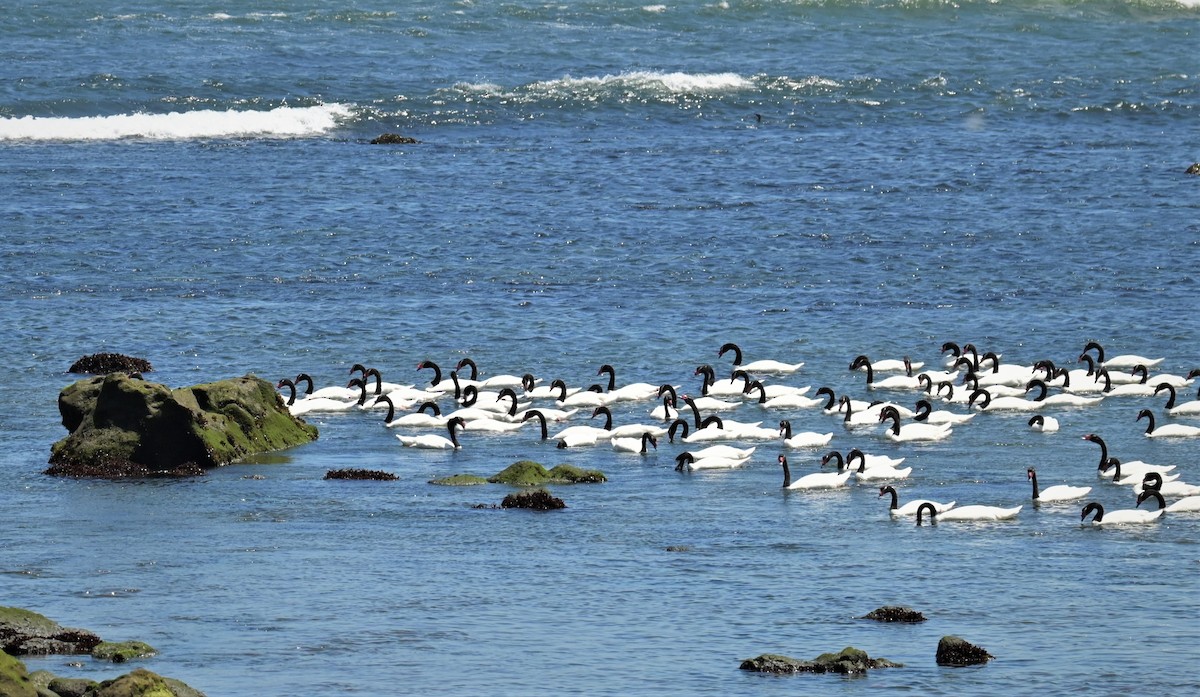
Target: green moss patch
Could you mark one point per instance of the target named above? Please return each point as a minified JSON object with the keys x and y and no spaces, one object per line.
{"x":459,"y":480}
{"x":122,"y":651}
{"x":530,"y":473}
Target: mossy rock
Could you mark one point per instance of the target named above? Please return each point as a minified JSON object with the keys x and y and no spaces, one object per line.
{"x":72,"y":687}
{"x":460,"y":480}
{"x":530,"y":473}
{"x":894,"y":613}
{"x":124,"y":426}
{"x":23,"y":632}
{"x":848,"y":661}
{"x":574,"y":475}
{"x":956,"y":651}
{"x":122,"y":651}
{"x":143,"y":683}
{"x":14,"y":679}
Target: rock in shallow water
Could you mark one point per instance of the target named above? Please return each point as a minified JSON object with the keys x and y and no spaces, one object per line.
{"x":956,"y":651}
{"x":894,"y":613}
{"x":848,"y":661}
{"x":123,"y":426}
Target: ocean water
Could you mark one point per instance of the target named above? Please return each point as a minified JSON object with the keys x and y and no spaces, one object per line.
{"x":600,"y":182}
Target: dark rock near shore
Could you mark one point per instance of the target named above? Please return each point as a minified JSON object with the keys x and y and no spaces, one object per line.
{"x":127,"y":427}
{"x":103,"y":363}
{"x":955,"y":651}
{"x":71,"y":687}
{"x":143,"y":683}
{"x":361,"y":474}
{"x":848,"y":661}
{"x":1194,"y":169}
{"x":893,"y":613}
{"x":122,"y":651}
{"x":26,"y":633}
{"x":537,"y":500}
{"x":393,"y":139}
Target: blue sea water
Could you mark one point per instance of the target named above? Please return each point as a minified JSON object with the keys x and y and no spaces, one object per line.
{"x":599,"y":182}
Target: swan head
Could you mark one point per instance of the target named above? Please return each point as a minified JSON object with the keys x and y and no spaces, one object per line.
{"x":1029,"y":473}
{"x":1090,"y":508}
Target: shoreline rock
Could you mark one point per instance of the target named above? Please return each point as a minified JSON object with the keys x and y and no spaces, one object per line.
{"x":894,"y":613}
{"x":123,"y":426}
{"x":361,"y":474}
{"x":956,"y":651}
{"x":103,"y":363}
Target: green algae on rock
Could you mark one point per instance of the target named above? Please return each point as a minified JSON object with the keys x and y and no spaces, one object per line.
{"x":530,"y":473}
{"x":124,"y":426}
{"x":459,"y":480}
{"x":144,"y":683}
{"x":848,"y":661}
{"x":122,"y":651}
{"x":14,"y":679}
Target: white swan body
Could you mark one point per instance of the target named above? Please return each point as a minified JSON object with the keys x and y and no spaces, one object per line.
{"x":803,"y":439}
{"x":1169,"y":488}
{"x":816,"y":480}
{"x":723,"y":451}
{"x":911,"y":507}
{"x":1058,"y":492}
{"x":432,"y":441}
{"x":1125,"y":516}
{"x":1168,"y":430}
{"x":879,"y":473}
{"x":980,"y":513}
{"x":913,"y":431}
{"x":637,"y":445}
{"x":687,"y":460}
{"x":1043,"y":424}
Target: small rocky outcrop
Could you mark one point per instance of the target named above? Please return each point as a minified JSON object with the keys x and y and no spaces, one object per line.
{"x":955,"y":651}
{"x":848,"y":661}
{"x":122,"y":426}
{"x":14,"y":679}
{"x":393,"y":139}
{"x":103,"y":363}
{"x":894,"y":613}
{"x":361,"y":474}
{"x":536,"y":500}
{"x":530,"y":473}
{"x":122,"y":651}
{"x":26,"y":633}
{"x":1194,"y":168}
{"x":460,"y":480}
{"x":143,"y":683}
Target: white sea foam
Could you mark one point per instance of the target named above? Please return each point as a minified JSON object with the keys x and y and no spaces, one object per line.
{"x":281,"y":122}
{"x":675,"y":83}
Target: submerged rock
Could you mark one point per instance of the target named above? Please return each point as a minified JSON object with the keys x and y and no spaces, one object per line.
{"x":26,"y":633}
{"x":537,"y":500}
{"x":955,"y":651}
{"x":393,"y":139}
{"x":848,"y":661}
{"x":102,"y":363}
{"x":459,"y":480}
{"x":122,"y":651}
{"x":894,"y":613}
{"x":361,"y":474}
{"x":530,"y":473}
{"x":127,"y":427}
{"x":1194,"y":169}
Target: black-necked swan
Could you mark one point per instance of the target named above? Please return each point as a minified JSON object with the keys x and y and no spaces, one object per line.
{"x":912,"y":431}
{"x":426,"y":415}
{"x":557,"y":389}
{"x":688,"y":461}
{"x":501,"y":380}
{"x":794,"y":400}
{"x":574,"y":436}
{"x":1184,"y":409}
{"x":1189,"y":504}
{"x":593,"y":396}
{"x":1043,"y":424}
{"x":760,"y":366}
{"x":872,"y":460}
{"x":970,"y":513}
{"x":1125,"y":360}
{"x":1136,"y":471}
{"x":911,"y":507}
{"x":1168,"y":430}
{"x":711,"y":428}
{"x":987,"y":403}
{"x":803,"y":439}
{"x":864,"y":473}
{"x":1068,"y":399}
{"x":436,"y":383}
{"x":889,"y":365}
{"x":1124,"y":516}
{"x":537,"y":414}
{"x":892,"y":382}
{"x":1058,"y":492}
{"x":1154,"y":481}
{"x":722,"y":450}
{"x":346,"y":394}
{"x":711,"y":387}
{"x":433,"y":441}
{"x":325,"y":404}
{"x":1137,"y":467}
{"x":637,"y":445}
{"x":855,"y":419}
{"x":925,"y":413}
{"x":634,"y":391}
{"x":816,"y":480}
